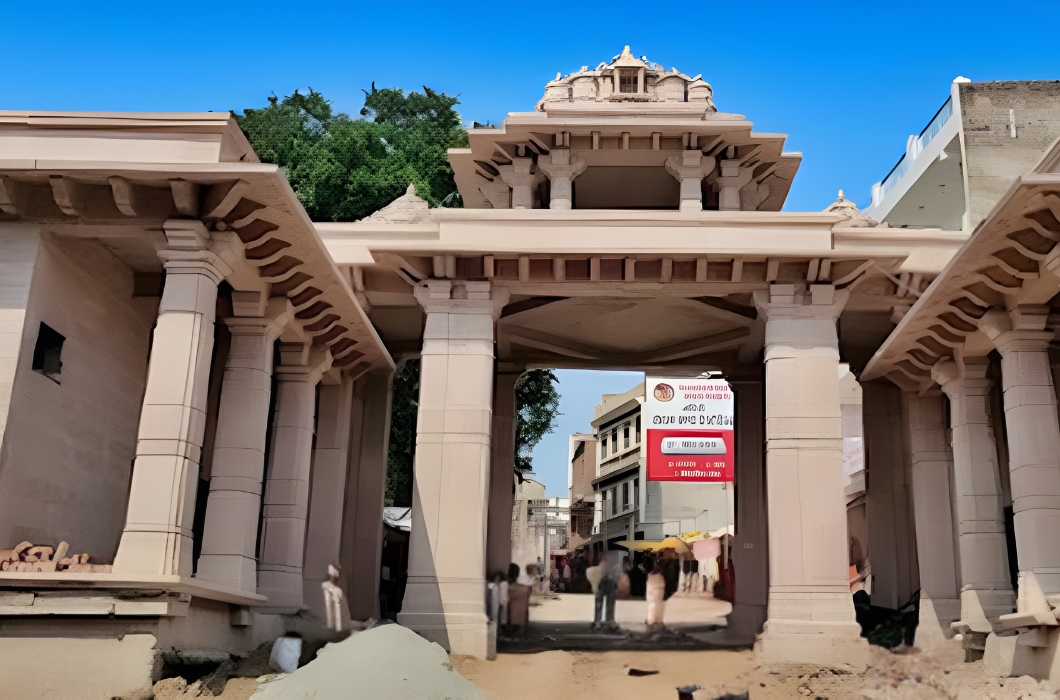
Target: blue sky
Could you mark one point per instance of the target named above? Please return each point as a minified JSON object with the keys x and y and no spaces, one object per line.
{"x":848,"y":82}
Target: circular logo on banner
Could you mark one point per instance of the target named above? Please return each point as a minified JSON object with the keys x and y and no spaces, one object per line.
{"x":663,"y":392}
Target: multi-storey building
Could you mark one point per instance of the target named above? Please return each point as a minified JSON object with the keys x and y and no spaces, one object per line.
{"x":581,"y":472}
{"x":629,"y":506}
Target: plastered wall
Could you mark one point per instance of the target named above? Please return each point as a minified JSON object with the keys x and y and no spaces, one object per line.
{"x":69,"y":446}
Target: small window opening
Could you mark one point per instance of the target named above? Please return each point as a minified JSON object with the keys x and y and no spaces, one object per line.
{"x":625,"y":436}
{"x":627,"y":82}
{"x":47,"y":353}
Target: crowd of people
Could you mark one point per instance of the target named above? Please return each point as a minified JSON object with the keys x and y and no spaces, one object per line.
{"x":608,"y":577}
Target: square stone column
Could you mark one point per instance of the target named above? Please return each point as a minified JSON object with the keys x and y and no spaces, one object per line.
{"x":730,"y":179}
{"x":689,"y":168}
{"x":157,"y":539}
{"x":891,"y":546}
{"x":520,"y":176}
{"x":283,"y":526}
{"x":502,"y":474}
{"x":445,"y":596}
{"x":810,"y":612}
{"x":561,"y":173}
{"x":986,"y":590}
{"x":231,"y":527}
{"x":362,"y":535}
{"x":1033,"y":432}
{"x":330,"y":463}
{"x":936,"y":541}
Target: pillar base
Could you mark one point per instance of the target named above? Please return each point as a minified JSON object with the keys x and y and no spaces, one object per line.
{"x":937,"y":616}
{"x":466,"y":634}
{"x":980,"y":610}
{"x":795,"y":645}
{"x":450,"y":613}
{"x":811,"y":629}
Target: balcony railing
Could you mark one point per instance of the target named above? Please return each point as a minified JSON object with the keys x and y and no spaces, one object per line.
{"x":914,"y":148}
{"x":616,"y":463}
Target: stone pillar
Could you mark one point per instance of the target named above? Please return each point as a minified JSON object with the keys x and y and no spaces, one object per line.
{"x":730,"y":180}
{"x":283,"y":525}
{"x":502,"y":474}
{"x":328,"y":490}
{"x":231,"y":527}
{"x":932,"y":486}
{"x":750,"y":550}
{"x":986,"y":591}
{"x":157,"y":539}
{"x":1033,"y":432}
{"x":891,"y":545}
{"x":561,"y":173}
{"x":810,"y":613}
{"x":445,"y":597}
{"x":690,"y":168}
{"x":520,"y":177}
{"x":365,"y":491}
{"x":19,"y":247}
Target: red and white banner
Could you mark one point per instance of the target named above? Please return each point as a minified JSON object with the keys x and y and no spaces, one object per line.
{"x":689,"y":429}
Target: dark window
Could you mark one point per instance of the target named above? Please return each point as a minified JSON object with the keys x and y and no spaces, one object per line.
{"x":614,"y":441}
{"x":638,"y":430}
{"x":636,"y":493}
{"x":627,"y":82}
{"x":625,"y":494}
{"x":47,"y":353}
{"x":614,"y":501}
{"x":603,"y":446}
{"x":625,"y":436}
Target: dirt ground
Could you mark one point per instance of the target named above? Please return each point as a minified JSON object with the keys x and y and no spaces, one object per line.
{"x":935,"y":675}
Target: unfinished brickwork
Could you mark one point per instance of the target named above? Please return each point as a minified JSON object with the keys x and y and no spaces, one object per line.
{"x":993,"y":157}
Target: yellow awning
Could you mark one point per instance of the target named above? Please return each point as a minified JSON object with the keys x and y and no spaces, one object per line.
{"x":639,"y":545}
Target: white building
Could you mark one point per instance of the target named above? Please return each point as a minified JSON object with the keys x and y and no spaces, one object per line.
{"x":540,"y":523}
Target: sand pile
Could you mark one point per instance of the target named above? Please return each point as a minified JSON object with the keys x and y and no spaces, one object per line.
{"x":386,"y":662}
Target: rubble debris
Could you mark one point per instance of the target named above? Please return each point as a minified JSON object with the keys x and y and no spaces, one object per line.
{"x":685,"y":692}
{"x":285,"y":654}
{"x":26,"y":557}
{"x":388,"y":661}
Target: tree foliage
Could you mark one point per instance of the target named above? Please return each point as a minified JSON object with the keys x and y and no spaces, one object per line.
{"x":536,"y":409}
{"x":403,"y":435}
{"x":343,"y":169}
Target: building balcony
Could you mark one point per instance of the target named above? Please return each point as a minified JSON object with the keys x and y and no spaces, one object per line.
{"x":620,"y":462}
{"x":925,"y":158}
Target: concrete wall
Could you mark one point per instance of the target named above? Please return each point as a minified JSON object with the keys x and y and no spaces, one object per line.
{"x":69,"y":447}
{"x":993,"y":159}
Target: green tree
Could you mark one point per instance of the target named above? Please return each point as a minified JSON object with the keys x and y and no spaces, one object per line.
{"x":403,"y":435}
{"x":536,"y":410}
{"x":344,"y":169}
